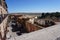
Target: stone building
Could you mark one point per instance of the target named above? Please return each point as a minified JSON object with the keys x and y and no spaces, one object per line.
{"x":3,"y":7}
{"x":3,"y":19}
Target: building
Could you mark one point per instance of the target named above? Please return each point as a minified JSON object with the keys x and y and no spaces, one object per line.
{"x":3,"y":19}
{"x":3,"y":7}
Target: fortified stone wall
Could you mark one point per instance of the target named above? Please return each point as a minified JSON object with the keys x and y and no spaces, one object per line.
{"x":2,"y":10}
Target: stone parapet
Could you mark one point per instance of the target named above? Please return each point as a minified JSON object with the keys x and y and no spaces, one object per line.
{"x":3,"y":26}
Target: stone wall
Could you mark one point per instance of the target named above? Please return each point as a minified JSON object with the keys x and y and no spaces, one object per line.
{"x":2,"y":10}
{"x":50,"y":33}
{"x":3,"y":26}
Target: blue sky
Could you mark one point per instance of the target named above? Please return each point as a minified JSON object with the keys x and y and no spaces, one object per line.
{"x":33,"y":5}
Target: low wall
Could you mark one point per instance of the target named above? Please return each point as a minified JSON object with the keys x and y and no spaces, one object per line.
{"x":3,"y":26}
{"x":49,"y":33}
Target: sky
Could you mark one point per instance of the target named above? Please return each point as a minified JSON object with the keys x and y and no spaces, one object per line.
{"x":33,"y":5}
